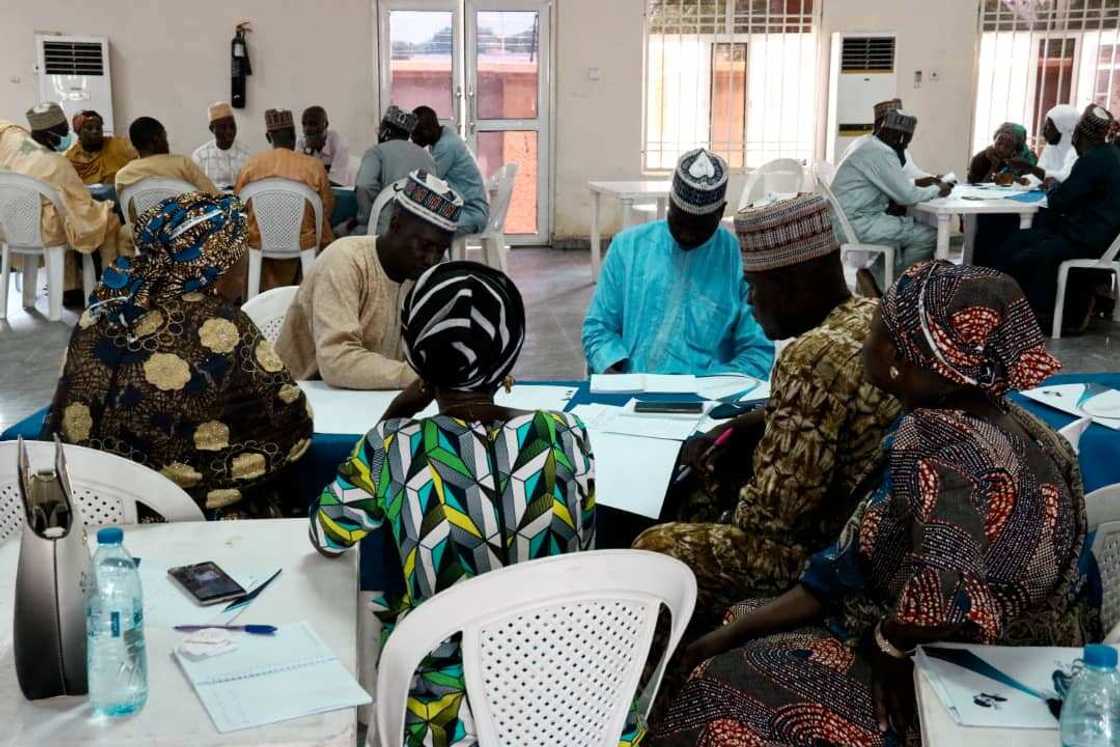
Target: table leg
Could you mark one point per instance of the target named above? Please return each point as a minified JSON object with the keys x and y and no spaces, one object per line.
{"x":596,"y":245}
{"x":662,"y":207}
{"x":1026,"y":220}
{"x":943,"y":235}
{"x":627,"y":213}
{"x":970,"y":222}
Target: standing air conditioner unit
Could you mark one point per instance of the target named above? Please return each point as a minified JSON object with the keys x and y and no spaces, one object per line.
{"x":862,"y":74}
{"x":74,"y":71}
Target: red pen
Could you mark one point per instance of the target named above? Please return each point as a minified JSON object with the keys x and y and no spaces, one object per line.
{"x":721,"y":439}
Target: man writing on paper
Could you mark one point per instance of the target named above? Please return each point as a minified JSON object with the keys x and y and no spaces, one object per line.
{"x":912,"y":170}
{"x":819,"y":434}
{"x":344,"y":324}
{"x":871,"y":179}
{"x":672,"y":298}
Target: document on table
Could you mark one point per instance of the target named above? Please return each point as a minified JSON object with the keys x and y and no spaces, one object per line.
{"x":271,"y":678}
{"x":642,"y":384}
{"x":1098,"y":402}
{"x":732,"y":388}
{"x":974,"y":699}
{"x":626,"y":422}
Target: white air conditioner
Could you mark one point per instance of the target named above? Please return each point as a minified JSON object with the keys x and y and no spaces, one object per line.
{"x":74,"y":71}
{"x":862,"y":73}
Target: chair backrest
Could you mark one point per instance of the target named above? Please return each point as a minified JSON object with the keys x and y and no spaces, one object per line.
{"x":268,"y":309}
{"x":278,"y":206}
{"x":1106,"y":551}
{"x":824,"y":171}
{"x":137,"y":198}
{"x":1074,"y":431}
{"x":106,"y":487}
{"x":384,"y":197}
{"x":21,"y":209}
{"x":501,"y":187}
{"x":845,"y":226}
{"x":782,"y":175}
{"x":1103,"y":505}
{"x":1113,"y":251}
{"x":553,"y":649}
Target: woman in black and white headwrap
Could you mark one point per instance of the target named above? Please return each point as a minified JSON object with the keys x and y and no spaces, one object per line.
{"x":474,"y":488}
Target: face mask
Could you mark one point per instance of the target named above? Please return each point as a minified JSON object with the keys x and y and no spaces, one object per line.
{"x":64,"y":143}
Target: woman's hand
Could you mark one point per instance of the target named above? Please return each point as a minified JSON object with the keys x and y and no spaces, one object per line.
{"x":892,"y":690}
{"x":415,"y":397}
{"x":719,"y":641}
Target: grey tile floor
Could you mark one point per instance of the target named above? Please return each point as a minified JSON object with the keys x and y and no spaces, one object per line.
{"x":556,"y":286}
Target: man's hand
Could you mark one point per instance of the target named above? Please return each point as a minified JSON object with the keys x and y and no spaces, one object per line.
{"x":927,"y":181}
{"x":945,"y":190}
{"x":619,"y":368}
{"x":410,"y":401}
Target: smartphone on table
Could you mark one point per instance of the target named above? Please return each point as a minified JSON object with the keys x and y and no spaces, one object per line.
{"x":671,"y":408}
{"x":206,"y":583}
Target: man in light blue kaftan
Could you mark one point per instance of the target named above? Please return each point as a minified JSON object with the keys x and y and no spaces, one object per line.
{"x":456,"y":165}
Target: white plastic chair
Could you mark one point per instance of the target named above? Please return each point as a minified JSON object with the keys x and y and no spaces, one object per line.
{"x":780,"y":176}
{"x":553,"y":649}
{"x":1074,"y":431}
{"x":1106,"y":551}
{"x":851,"y":249}
{"x":384,"y":197}
{"x":106,"y":487}
{"x":269,"y":309}
{"x":825,"y":171}
{"x":137,"y":198}
{"x":495,"y":253}
{"x":1108,"y":262}
{"x":21,"y":213}
{"x":278,"y":206}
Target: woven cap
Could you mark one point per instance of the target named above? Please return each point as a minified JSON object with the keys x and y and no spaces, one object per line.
{"x":889,"y":105}
{"x":219,"y":110}
{"x":278,"y":119}
{"x":432,"y":199}
{"x":898,"y":120}
{"x":1096,"y":121}
{"x":700,"y":182}
{"x":45,"y":116}
{"x":786,"y":232}
{"x":398,"y":117}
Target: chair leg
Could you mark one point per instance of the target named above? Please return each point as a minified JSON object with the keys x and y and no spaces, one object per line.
{"x":89,"y":276}
{"x":55,"y":259}
{"x":254,"y":274}
{"x":503,"y":252}
{"x":1060,"y":302}
{"x":306,"y":260}
{"x":30,"y":279}
{"x":459,"y":249}
{"x":1116,"y":292}
{"x":5,"y":279}
{"x":888,"y":268}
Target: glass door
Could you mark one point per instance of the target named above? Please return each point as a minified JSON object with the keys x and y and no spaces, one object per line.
{"x":483,"y":66}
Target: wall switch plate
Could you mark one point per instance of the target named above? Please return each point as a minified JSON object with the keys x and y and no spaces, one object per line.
{"x":594,"y":73}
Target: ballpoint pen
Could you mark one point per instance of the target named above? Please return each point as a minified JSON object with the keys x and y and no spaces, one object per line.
{"x":250,"y":629}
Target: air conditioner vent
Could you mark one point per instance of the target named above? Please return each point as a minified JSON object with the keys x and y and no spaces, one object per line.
{"x":867,"y":54}
{"x":72,"y":58}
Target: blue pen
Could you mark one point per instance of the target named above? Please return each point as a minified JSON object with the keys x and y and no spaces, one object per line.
{"x":250,"y":629}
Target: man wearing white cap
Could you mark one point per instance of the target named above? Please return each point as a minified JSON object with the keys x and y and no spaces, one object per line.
{"x":344,"y":325}
{"x":672,"y":298}
{"x":871,"y":178}
{"x":223,"y":157}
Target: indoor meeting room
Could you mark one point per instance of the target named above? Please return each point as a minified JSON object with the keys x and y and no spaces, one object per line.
{"x":560,"y":373}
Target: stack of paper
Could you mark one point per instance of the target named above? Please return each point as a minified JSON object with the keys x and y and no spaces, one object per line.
{"x":1100,"y":403}
{"x":272,"y":678}
{"x":642,"y":384}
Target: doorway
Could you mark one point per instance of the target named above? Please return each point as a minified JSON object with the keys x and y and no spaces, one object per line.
{"x":483,"y":65}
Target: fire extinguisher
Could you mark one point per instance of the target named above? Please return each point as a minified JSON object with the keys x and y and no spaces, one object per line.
{"x":240,"y":67}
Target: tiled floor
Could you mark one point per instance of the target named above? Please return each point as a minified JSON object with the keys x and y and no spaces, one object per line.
{"x":556,"y":286}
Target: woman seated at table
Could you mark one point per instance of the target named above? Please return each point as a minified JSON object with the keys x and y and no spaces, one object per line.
{"x":473,"y":489}
{"x":1006,"y":160}
{"x":164,"y":369}
{"x":970,"y":530}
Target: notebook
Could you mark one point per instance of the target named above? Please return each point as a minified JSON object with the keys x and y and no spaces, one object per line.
{"x":272,"y":678}
{"x":643,"y":384}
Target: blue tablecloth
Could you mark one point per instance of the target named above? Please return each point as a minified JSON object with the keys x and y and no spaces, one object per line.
{"x":1100,"y":466}
{"x":345,"y":205}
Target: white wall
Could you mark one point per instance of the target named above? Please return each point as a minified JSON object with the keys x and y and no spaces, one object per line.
{"x":170,"y":59}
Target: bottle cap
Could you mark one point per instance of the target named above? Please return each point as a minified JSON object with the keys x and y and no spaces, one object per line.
{"x":114,"y":535}
{"x":1099,"y":655}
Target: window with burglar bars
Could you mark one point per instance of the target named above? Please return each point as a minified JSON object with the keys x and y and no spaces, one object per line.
{"x":1035,"y":54}
{"x":736,"y":76}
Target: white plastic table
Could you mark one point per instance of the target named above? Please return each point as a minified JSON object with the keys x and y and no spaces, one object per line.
{"x":976,"y":200}
{"x":313,"y":588}
{"x":627,"y":193}
{"x":940,"y":730}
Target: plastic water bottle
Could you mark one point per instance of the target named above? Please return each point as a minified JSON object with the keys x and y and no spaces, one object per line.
{"x":115,"y":657}
{"x":1091,"y":712}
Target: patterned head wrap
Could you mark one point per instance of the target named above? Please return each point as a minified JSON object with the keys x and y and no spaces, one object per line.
{"x":278,"y":119}
{"x":700,"y":182}
{"x":184,"y":245}
{"x":899,"y":121}
{"x":463,"y":325}
{"x":45,"y":116}
{"x":432,"y":199}
{"x":970,"y":324}
{"x":400,"y":119}
{"x":783,"y":233}
{"x":883,"y":107}
{"x":1096,"y":122}
{"x":81,"y":117}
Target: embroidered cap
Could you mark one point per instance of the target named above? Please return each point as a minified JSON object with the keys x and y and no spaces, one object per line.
{"x":278,"y":119}
{"x":219,"y":110}
{"x":900,"y":121}
{"x":883,"y":107}
{"x":430,"y":198}
{"x":700,"y":182}
{"x":1096,"y":122}
{"x":786,"y":232}
{"x":45,"y":116}
{"x":399,"y":118}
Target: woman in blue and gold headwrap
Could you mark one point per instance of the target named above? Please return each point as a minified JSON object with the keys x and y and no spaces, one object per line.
{"x":164,"y":369}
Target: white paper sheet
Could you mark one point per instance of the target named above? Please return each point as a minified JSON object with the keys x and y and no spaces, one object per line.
{"x":642,"y":383}
{"x":1064,"y":397}
{"x":718,"y":387}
